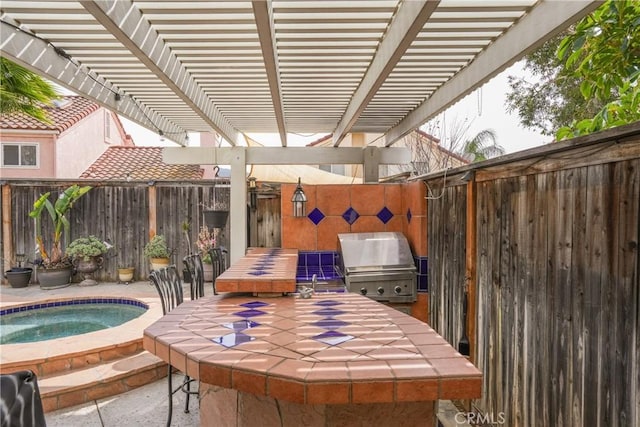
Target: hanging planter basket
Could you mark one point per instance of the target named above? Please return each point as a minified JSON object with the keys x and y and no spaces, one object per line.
{"x":215,"y":219}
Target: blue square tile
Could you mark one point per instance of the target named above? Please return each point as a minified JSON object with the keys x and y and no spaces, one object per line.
{"x":313,"y":259}
{"x":326,"y":258}
{"x":351,"y":215}
{"x":330,"y":323}
{"x":250,"y":313}
{"x":384,"y":215}
{"x":327,"y":303}
{"x":258,"y":272}
{"x":409,"y":215}
{"x":328,"y":312}
{"x":254,"y":304}
{"x":316,"y":216}
{"x":423,"y":282}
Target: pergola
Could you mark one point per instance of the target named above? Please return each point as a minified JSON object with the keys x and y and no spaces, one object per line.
{"x":234,"y":67}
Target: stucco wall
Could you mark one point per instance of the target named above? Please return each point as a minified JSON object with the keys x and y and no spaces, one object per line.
{"x":47,"y":160}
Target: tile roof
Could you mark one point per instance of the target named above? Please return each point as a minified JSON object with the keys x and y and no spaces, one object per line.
{"x":64,"y":114}
{"x":139,"y":163}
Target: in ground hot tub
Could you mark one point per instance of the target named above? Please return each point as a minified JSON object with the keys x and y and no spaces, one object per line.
{"x":56,"y":319}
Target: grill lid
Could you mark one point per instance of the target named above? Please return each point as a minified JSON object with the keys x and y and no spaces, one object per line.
{"x":375,"y":251}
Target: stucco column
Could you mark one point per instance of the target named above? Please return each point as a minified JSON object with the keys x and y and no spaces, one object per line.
{"x":238,"y":208}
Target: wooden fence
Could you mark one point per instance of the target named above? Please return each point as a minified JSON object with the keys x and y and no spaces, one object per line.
{"x":553,"y":279}
{"x":124,"y":214}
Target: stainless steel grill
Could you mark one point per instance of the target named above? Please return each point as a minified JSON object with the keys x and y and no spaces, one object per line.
{"x":379,"y":265}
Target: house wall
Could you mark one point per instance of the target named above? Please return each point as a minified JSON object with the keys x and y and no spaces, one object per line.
{"x":326,"y":205}
{"x":67,"y":154}
{"x":79,"y":146}
{"x":46,"y":148}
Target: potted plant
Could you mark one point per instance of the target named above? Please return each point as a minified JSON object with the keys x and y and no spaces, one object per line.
{"x":86,"y":253}
{"x":158,"y":252}
{"x":206,"y":241}
{"x":55,"y":266}
{"x":125,"y":274}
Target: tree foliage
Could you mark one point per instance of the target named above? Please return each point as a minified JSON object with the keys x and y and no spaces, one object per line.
{"x":22,"y":91}
{"x":604,"y":51}
{"x":547,"y":97}
{"x":585,"y":79}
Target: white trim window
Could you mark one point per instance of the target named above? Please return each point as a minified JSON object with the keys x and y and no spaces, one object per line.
{"x":107,"y":126}
{"x":20,"y":155}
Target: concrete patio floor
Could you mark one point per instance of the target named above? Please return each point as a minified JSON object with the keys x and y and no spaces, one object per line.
{"x":143,"y":406}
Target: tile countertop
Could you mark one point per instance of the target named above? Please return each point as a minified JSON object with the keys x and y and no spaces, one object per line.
{"x":262,"y":270}
{"x":329,"y":349}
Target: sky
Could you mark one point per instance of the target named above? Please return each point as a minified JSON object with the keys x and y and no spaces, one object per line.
{"x":484,"y":109}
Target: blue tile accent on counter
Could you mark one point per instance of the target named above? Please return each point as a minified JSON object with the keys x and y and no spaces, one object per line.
{"x":409,"y":215}
{"x":333,"y":337}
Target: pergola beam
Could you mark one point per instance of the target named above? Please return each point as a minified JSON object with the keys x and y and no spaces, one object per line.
{"x":286,"y":155}
{"x":263,"y":13}
{"x":131,"y":28}
{"x":404,"y":28}
{"x":40,"y":57}
{"x":543,"y":22}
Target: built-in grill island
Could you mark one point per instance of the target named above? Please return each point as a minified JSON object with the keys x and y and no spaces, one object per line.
{"x":379,"y":265}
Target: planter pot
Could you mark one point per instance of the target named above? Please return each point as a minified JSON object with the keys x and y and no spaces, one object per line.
{"x":215,"y":219}
{"x":158,"y":263}
{"x":207,"y":269}
{"x":54,"y":278}
{"x":125,"y":275}
{"x":87,"y":268}
{"x":18,"y":277}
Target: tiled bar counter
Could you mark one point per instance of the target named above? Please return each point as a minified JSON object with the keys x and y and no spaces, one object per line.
{"x":332,"y":359}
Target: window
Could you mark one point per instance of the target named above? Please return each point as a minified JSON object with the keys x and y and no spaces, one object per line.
{"x":19,"y":154}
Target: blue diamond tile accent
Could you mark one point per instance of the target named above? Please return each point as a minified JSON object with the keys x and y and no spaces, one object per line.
{"x":233,"y":339}
{"x":409,"y":215}
{"x":316,"y":216}
{"x":258,"y":272}
{"x":331,"y":323}
{"x":327,"y":303}
{"x":350,"y":215}
{"x":328,"y":312}
{"x":254,"y":304}
{"x":384,"y":215}
{"x":241,"y":325}
{"x":333,"y":337}
{"x":250,"y":313}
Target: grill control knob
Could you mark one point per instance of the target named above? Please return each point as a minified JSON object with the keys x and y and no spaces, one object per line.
{"x":363,"y":291}
{"x":397,"y":290}
{"x":380,"y":290}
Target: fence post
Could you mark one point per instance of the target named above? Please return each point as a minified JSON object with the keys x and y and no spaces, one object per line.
{"x":7,"y":236}
{"x":470,"y":264}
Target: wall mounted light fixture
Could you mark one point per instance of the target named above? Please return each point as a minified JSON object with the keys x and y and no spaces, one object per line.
{"x":299,"y":201}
